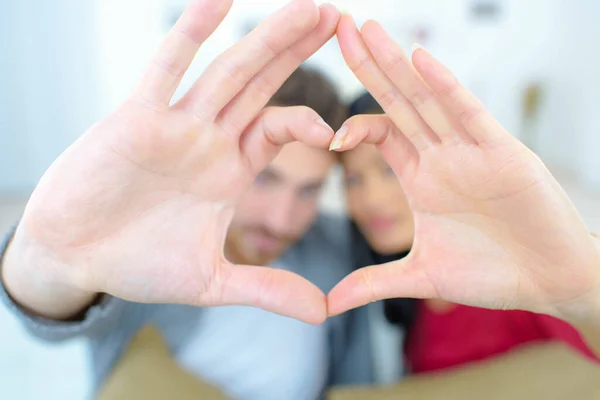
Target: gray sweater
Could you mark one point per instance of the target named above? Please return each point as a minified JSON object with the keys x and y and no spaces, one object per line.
{"x":323,"y":256}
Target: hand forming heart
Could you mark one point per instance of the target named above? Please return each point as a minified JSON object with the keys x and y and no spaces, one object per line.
{"x":139,"y":206}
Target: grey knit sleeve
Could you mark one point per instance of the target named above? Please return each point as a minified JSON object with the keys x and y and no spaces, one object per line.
{"x":100,"y":316}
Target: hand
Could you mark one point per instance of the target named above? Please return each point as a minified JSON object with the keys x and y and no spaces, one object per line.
{"x":139,"y":206}
{"x":493,"y":228}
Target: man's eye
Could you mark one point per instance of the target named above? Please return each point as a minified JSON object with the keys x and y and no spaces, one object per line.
{"x":352,"y":180}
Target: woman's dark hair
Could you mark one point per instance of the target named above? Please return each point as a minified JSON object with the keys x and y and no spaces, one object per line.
{"x":365,"y":104}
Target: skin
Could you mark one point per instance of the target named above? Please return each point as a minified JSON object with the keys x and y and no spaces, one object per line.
{"x":378,"y":205}
{"x":493,"y":228}
{"x":376,"y":201}
{"x":280,"y":205}
{"x":140,"y":205}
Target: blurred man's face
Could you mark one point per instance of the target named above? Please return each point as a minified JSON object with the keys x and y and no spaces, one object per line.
{"x":279,"y":207}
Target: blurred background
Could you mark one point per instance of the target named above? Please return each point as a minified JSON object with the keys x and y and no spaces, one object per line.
{"x":65,"y":64}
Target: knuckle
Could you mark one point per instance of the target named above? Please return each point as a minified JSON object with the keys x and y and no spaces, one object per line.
{"x":389,"y":98}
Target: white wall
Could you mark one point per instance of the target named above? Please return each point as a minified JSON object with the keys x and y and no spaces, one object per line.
{"x":93,"y":52}
{"x":578,"y":54}
{"x":48,"y":76}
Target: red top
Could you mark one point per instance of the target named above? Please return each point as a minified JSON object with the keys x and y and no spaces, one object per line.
{"x":464,"y":334}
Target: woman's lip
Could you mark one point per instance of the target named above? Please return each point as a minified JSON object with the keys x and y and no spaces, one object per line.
{"x":264,"y":242}
{"x":381,"y":224}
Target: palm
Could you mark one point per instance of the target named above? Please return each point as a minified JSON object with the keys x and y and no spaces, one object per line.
{"x":140,"y":205}
{"x":164,"y":168}
{"x":492,"y":226}
{"x":483,"y":236}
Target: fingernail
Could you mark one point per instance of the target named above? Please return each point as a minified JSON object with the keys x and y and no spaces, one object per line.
{"x":347,"y":14}
{"x":324,"y":124}
{"x":417,"y":46}
{"x":338,"y":139}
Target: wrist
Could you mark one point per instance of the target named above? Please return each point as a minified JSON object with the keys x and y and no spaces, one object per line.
{"x":38,"y":282}
{"x":585,"y":310}
{"x":594,"y":317}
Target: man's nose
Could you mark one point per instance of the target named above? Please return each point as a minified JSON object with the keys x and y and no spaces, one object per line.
{"x":279,"y":216}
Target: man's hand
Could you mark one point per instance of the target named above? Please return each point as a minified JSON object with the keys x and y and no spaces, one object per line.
{"x":493,"y":228}
{"x":139,"y":206}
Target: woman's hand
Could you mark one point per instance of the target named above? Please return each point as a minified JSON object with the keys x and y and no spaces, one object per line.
{"x":493,"y":228}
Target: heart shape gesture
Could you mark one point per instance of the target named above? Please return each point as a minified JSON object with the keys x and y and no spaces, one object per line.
{"x":140,"y":205}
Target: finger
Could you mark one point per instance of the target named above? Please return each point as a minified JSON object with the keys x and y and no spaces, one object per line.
{"x":276,"y":126}
{"x":379,"y":130}
{"x":275,"y":290}
{"x":361,"y":62}
{"x":400,"y":71}
{"x":243,"y":109}
{"x":461,"y":103}
{"x":398,"y":279}
{"x":176,"y":53}
{"x":225,"y":77}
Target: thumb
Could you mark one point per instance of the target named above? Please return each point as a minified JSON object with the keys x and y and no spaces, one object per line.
{"x":276,"y":126}
{"x":398,"y":279}
{"x":279,"y":291}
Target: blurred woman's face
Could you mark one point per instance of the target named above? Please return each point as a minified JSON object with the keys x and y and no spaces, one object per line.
{"x":376,"y":201}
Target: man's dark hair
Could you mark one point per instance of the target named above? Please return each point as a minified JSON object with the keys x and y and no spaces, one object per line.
{"x":310,"y":88}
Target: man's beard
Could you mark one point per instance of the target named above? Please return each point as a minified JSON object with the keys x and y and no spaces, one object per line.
{"x":240,"y":246}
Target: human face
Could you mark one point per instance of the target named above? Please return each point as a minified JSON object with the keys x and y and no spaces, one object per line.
{"x":279,"y":207}
{"x":376,"y":201}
